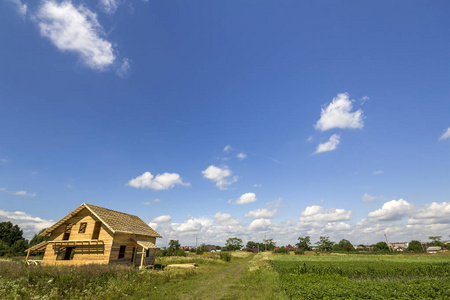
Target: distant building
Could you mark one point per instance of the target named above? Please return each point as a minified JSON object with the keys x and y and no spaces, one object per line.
{"x":434,"y":249}
{"x":209,"y":248}
{"x":290,"y":248}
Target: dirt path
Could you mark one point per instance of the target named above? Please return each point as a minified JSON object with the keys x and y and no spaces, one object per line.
{"x":217,"y":284}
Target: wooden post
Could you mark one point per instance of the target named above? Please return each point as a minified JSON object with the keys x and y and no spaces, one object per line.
{"x":28,"y":255}
{"x":142,"y":257}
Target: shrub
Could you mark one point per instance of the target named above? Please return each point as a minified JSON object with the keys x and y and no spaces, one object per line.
{"x":282,"y":250}
{"x":171,"y":252}
{"x":225,"y":256}
{"x":299,"y":252}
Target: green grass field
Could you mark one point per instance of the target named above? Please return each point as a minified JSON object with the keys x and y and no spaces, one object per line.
{"x":364,"y":277}
{"x":246,"y":276}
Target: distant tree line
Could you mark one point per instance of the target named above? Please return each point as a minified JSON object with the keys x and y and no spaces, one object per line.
{"x":324,"y":244}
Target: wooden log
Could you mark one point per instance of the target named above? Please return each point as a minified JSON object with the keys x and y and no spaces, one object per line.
{"x":182,"y":266}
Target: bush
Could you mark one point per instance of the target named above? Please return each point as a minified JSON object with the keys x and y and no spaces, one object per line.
{"x":171,"y":252}
{"x":225,"y":256}
{"x":4,"y":248}
{"x":299,"y":252}
{"x":282,"y":250}
{"x":199,"y":251}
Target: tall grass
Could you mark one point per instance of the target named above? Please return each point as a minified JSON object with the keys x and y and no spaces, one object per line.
{"x":18,"y":281}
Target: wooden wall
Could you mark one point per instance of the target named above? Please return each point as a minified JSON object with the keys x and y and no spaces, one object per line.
{"x":84,"y":254}
{"x":121,"y":239}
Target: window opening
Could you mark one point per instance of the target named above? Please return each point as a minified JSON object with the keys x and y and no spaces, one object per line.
{"x":67,"y":231}
{"x":68,"y":255}
{"x":96,"y":233}
{"x":122,"y":252}
{"x":82,"y":227}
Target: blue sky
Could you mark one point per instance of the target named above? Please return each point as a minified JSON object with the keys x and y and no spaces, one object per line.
{"x":215,"y":119}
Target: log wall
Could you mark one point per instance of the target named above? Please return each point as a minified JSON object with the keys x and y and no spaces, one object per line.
{"x":84,"y":253}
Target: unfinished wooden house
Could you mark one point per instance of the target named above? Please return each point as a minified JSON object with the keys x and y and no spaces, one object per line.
{"x":95,"y":235}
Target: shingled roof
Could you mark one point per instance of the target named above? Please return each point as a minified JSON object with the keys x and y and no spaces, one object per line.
{"x":117,"y":222}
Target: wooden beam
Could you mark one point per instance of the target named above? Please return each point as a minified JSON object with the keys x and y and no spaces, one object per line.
{"x":28,"y":255}
{"x":142,"y":258}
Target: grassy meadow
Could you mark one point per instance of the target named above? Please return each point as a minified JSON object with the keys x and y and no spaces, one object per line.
{"x":246,"y":276}
{"x":364,"y":276}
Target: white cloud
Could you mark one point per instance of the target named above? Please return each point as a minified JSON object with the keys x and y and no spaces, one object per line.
{"x":124,"y":70}
{"x":109,"y":6}
{"x":18,"y":193}
{"x":445,"y":135}
{"x":146,"y":202}
{"x":4,"y":160}
{"x":23,"y":193}
{"x":225,"y":219}
{"x":241,"y":155}
{"x":338,"y":227}
{"x":367,"y":198}
{"x":316,"y":213}
{"x":159,"y":182}
{"x":309,"y":139}
{"x":338,"y":114}
{"x":261,"y":213}
{"x":392,"y":210}
{"x":434,"y":213}
{"x":30,"y":225}
{"x":330,"y":145}
{"x":257,"y":185}
{"x":274,"y":160}
{"x":260,"y":224}
{"x":267,"y":212}
{"x":162,"y":219}
{"x":227,"y":149}
{"x":377,"y":172}
{"x":364,"y":99}
{"x":193,"y":225}
{"x":157,"y":200}
{"x":75,"y":29}
{"x":20,"y":7}
{"x":246,"y":198}
{"x":219,"y":176}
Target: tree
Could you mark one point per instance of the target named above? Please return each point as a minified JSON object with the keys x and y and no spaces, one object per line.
{"x":415,"y":246}
{"x":381,"y":246}
{"x":251,"y":245}
{"x":4,"y":248}
{"x":343,"y":245}
{"x":436,"y":241}
{"x":324,"y":243}
{"x":37,"y":238}
{"x":269,"y":244}
{"x":174,"y":244}
{"x":233,"y":244}
{"x":10,"y":233}
{"x":304,"y":243}
{"x":19,"y":247}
